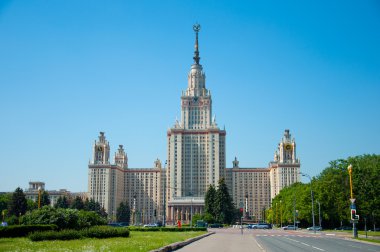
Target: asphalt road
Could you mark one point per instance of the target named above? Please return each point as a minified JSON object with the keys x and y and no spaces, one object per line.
{"x":225,"y":240}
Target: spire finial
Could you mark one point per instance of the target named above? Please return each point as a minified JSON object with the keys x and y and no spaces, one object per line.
{"x":196,"y":28}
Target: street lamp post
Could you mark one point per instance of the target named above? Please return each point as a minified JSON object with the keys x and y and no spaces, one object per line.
{"x":281,"y":212}
{"x":353,"y":206}
{"x":312,"y":199}
{"x":319,"y":214}
{"x":276,"y":216}
{"x":164,"y":201}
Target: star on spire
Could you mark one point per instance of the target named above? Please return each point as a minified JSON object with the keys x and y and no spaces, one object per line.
{"x":196,"y":28}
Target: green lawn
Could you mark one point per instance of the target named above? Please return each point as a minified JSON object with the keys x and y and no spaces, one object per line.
{"x":138,"y":241}
{"x":377,"y":233}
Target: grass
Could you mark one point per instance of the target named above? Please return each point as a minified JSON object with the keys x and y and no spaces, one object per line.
{"x":369,"y":240}
{"x":138,"y":241}
{"x":377,"y":233}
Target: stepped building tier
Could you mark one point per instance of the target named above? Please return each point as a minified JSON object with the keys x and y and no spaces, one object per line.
{"x":196,"y":147}
{"x":196,"y":159}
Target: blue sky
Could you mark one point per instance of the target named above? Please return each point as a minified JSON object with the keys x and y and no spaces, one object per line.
{"x":69,"y":69}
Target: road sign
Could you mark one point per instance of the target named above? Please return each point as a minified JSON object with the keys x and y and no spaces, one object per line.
{"x":352,"y":201}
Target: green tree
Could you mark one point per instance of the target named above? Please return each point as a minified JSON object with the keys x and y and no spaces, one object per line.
{"x":5,"y":200}
{"x":332,"y":190}
{"x":18,"y":204}
{"x":45,"y":199}
{"x":210,"y":201}
{"x":78,"y":203}
{"x":123,"y":213}
{"x":89,"y":205}
{"x":62,"y":202}
{"x":225,"y":210}
{"x":92,"y":205}
{"x":31,"y":205}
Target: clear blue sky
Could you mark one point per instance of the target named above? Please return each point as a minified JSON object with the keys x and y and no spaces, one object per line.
{"x":69,"y":69}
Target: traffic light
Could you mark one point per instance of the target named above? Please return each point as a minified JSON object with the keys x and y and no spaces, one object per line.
{"x":241,"y":210}
{"x":353,"y":214}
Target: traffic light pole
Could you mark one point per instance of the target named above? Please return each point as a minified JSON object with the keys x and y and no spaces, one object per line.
{"x":354,"y":218}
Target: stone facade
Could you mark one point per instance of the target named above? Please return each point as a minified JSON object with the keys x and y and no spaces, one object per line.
{"x":196,"y":158}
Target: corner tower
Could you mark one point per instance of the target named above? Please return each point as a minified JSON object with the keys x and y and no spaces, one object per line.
{"x":285,"y":168}
{"x":196,"y":146}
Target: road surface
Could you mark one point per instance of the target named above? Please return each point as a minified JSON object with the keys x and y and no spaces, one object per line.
{"x":231,"y":239}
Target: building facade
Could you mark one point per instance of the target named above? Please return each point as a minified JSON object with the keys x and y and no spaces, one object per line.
{"x":196,"y":147}
{"x":196,"y":159}
{"x":36,"y":187}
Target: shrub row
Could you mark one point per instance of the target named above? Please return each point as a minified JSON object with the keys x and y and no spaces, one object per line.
{"x":24,"y":230}
{"x":71,"y":234}
{"x":63,"y":218}
{"x":166,"y":229}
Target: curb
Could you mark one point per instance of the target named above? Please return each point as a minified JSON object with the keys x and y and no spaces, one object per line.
{"x":178,"y":245}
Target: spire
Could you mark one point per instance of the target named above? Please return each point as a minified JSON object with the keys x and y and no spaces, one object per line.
{"x":196,"y":28}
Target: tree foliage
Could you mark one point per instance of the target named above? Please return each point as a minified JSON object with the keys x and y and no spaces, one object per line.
{"x":332,"y":190}
{"x":18,"y":204}
{"x":62,"y":202}
{"x":210,"y":201}
{"x":218,"y":204}
{"x":79,"y":204}
{"x":123,"y":213}
{"x":4,"y":201}
{"x":45,"y":200}
{"x":92,"y":205}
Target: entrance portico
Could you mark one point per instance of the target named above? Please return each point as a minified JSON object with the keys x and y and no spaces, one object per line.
{"x":183,"y":208}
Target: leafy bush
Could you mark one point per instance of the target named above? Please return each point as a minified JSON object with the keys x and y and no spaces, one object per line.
{"x":24,"y":230}
{"x":68,"y":234}
{"x":63,"y":218}
{"x":105,"y":232}
{"x":166,"y":229}
{"x":88,"y":219}
{"x":71,"y":234}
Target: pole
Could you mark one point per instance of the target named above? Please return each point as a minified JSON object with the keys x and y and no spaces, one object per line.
{"x":373,"y":220}
{"x":281,"y":212}
{"x":39,"y":197}
{"x":164,"y":217}
{"x":294,"y":210}
{"x":241,"y":224}
{"x":365,"y":226}
{"x":312,"y":205}
{"x":319,"y":214}
{"x":276,"y":216}
{"x":191,"y":213}
{"x":312,"y":199}
{"x":353,"y":206}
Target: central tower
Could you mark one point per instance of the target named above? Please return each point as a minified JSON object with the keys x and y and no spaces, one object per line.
{"x":196,"y":146}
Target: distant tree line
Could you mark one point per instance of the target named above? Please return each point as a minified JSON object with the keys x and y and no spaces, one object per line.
{"x":15,"y":205}
{"x":331,"y":191}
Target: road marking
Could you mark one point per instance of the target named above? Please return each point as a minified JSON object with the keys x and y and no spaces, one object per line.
{"x":318,"y":248}
{"x":292,"y":239}
{"x":305,"y":244}
{"x":354,"y":246}
{"x":331,"y":234}
{"x":259,"y":245}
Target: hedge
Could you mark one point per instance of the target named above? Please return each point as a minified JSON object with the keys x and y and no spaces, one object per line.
{"x":71,"y":234}
{"x":166,"y":229}
{"x":24,"y":230}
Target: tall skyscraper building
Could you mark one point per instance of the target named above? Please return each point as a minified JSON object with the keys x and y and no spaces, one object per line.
{"x":196,"y":159}
{"x":196,"y":145}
